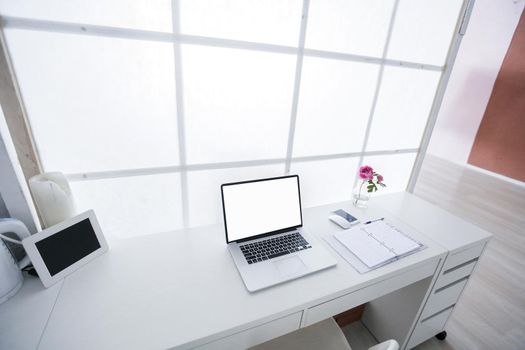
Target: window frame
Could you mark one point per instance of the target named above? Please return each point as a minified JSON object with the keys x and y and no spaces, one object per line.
{"x":176,"y":38}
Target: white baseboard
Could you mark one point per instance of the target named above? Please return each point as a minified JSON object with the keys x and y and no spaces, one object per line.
{"x":484,"y":171}
{"x":496,"y":175}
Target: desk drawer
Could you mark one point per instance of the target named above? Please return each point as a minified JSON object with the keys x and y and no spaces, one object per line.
{"x":456,"y":273}
{"x":463,"y":256}
{"x":256,"y":335}
{"x":336,"y":306}
{"x":429,"y":327}
{"x":443,"y":298}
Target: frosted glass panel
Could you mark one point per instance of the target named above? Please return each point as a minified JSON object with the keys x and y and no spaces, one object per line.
{"x":268,"y":21}
{"x":326,"y":181}
{"x":395,"y":169}
{"x":151,"y":14}
{"x":402,"y":109}
{"x":97,"y":103}
{"x":423,"y":30}
{"x":132,"y":206}
{"x":237,"y":103}
{"x":334,"y":106}
{"x":204,"y":189}
{"x":350,"y":26}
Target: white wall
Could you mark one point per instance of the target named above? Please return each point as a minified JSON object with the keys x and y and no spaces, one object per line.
{"x":479,"y":59}
{"x":14,"y":191}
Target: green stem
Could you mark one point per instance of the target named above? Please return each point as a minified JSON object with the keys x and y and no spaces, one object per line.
{"x":359,"y":193}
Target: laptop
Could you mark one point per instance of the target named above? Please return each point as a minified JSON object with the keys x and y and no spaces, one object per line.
{"x":263,"y":223}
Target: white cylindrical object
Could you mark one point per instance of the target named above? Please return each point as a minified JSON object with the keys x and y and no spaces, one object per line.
{"x":53,"y":198}
{"x":11,"y":278}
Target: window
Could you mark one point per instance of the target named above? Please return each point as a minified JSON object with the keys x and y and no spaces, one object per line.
{"x":148,"y":107}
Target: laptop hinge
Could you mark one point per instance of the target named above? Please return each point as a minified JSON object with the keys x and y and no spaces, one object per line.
{"x":251,"y":238}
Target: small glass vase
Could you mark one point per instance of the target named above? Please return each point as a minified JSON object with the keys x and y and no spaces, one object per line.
{"x":360,"y":196}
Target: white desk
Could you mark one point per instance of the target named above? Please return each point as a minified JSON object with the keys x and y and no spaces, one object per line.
{"x":182,"y":290}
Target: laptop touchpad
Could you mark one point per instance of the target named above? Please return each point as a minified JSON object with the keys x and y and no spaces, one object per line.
{"x":290,"y":266}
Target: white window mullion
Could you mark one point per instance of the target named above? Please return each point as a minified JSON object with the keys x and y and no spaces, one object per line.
{"x":143,"y":35}
{"x":180,"y":112}
{"x":460,"y":30}
{"x":297,"y":86}
{"x":111,"y":174}
{"x":378,"y":88}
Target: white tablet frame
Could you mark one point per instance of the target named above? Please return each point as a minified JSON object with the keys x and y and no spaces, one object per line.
{"x":30,"y":247}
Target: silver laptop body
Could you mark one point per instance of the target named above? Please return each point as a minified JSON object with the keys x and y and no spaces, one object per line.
{"x":263,"y":225}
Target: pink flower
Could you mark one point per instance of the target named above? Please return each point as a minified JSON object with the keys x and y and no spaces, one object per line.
{"x":379,"y":178}
{"x":366,"y":172}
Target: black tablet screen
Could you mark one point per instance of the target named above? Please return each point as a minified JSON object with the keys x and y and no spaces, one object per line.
{"x":68,"y":246}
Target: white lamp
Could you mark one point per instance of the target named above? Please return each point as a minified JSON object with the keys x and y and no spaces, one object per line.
{"x":53,"y":197}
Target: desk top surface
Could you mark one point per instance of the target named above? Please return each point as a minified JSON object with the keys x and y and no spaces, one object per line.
{"x":182,"y":288}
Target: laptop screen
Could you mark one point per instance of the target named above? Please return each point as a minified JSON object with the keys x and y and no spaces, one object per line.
{"x":253,"y":208}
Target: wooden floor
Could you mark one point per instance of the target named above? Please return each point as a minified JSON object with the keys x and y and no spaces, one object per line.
{"x":491,"y":312}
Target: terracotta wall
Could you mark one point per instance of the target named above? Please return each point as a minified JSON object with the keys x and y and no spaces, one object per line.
{"x":499,"y":145}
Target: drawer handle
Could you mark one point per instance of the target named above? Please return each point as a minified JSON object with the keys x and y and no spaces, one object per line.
{"x":438,"y":313}
{"x":460,"y":266}
{"x":450,"y":284}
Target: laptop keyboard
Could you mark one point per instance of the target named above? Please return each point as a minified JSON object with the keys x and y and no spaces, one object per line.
{"x":274,"y":247}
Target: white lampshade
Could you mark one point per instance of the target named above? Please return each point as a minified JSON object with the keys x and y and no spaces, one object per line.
{"x":53,"y":197}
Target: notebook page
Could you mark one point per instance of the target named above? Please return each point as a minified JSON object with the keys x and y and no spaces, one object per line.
{"x":364,"y":247}
{"x":398,"y":242}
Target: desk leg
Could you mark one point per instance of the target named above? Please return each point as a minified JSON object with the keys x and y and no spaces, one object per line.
{"x":394,"y":315}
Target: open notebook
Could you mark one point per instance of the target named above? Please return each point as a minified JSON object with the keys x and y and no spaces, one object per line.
{"x":377,"y":243}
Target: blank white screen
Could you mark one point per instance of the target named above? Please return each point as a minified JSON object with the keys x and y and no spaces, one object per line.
{"x":259,"y":207}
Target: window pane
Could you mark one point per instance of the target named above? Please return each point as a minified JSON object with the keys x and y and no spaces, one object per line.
{"x":334,"y":106}
{"x":423,"y":30}
{"x":132,"y":206}
{"x":269,"y":21}
{"x":237,"y":103}
{"x":326,"y":181}
{"x":402,"y":109}
{"x":395,"y":169}
{"x":151,"y":14}
{"x":204,"y":189}
{"x":351,"y":26}
{"x":97,"y":103}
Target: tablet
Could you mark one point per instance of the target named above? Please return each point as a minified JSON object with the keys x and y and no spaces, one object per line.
{"x":65,"y":247}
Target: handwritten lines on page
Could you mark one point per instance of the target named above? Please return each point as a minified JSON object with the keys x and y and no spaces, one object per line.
{"x":391,"y":237}
{"x":376,"y":243}
{"x":365,"y":248}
